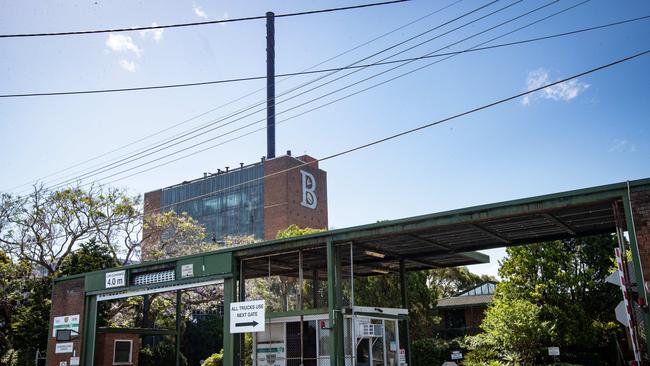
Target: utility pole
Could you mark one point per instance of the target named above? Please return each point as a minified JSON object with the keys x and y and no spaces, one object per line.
{"x":270,"y":85}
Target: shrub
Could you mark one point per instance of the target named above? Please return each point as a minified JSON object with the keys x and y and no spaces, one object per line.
{"x":215,"y":360}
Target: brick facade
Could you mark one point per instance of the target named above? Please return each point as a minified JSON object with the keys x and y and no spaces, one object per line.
{"x":283,"y":195}
{"x":105,"y":348}
{"x":67,"y":299}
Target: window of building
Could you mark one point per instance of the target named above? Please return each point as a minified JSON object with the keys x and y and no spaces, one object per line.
{"x":122,"y":350}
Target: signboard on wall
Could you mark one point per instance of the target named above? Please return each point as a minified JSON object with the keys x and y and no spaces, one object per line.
{"x":247,"y":316}
{"x":65,"y":322}
{"x":63,"y":347}
{"x":115,"y":279}
{"x":271,"y":354}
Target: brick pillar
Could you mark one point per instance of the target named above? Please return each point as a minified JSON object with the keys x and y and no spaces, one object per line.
{"x":68,"y":298}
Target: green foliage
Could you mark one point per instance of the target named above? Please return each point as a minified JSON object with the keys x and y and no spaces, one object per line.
{"x":384,"y":290}
{"x":215,"y":360}
{"x":450,"y":281}
{"x":515,"y":330}
{"x":201,"y":338}
{"x":432,"y":351}
{"x":91,"y":256}
{"x":552,"y":294}
{"x":295,"y":230}
{"x":161,"y":354}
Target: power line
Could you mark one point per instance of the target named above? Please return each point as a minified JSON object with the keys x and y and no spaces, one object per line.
{"x":139,"y":155}
{"x":283,"y":78}
{"x":331,"y":102}
{"x":264,"y":101}
{"x":408,"y":131}
{"x":427,"y":125}
{"x":306,"y":71}
{"x":209,"y":22}
{"x":361,"y":66}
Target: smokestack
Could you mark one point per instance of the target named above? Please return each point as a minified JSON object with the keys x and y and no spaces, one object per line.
{"x":270,"y":85}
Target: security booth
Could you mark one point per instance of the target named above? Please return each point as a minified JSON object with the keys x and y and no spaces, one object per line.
{"x":302,"y":298}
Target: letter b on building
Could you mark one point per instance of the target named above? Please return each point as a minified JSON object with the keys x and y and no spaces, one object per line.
{"x":308,"y":190}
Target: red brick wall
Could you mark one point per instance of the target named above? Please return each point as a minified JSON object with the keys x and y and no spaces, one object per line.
{"x":283,"y":194}
{"x":105,"y":345}
{"x":67,"y":299}
{"x":641,"y":212}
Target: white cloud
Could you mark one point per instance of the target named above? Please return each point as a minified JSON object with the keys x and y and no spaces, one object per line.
{"x":155,"y":34}
{"x":122,"y":43}
{"x":621,"y":145}
{"x":199,"y":11}
{"x":129,"y":66}
{"x":565,"y":91}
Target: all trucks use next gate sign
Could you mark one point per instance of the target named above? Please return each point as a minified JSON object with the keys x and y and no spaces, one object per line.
{"x":247,"y":316}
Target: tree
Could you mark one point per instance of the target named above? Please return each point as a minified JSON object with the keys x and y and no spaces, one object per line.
{"x":562,"y":284}
{"x":46,"y":226}
{"x":514,"y":332}
{"x":384,"y":290}
{"x":170,"y":234}
{"x":450,"y":281}
{"x":91,"y":256}
{"x":566,"y":278}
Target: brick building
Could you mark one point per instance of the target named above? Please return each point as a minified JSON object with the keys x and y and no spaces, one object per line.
{"x":257,"y":199}
{"x":462,"y":314}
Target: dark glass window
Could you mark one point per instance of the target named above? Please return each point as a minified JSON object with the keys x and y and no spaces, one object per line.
{"x":122,"y":352}
{"x":455,"y":319}
{"x":229,"y":204}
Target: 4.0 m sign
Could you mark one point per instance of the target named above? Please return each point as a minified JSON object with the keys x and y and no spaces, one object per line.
{"x":116,"y":279}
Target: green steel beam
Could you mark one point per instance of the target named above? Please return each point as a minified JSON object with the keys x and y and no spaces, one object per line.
{"x":89,"y":331}
{"x":638,"y":269}
{"x":228,"y":338}
{"x":405,"y":304}
{"x":178,"y":328}
{"x":331,"y":299}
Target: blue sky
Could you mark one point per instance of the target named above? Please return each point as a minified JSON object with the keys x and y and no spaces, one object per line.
{"x":587,"y":132}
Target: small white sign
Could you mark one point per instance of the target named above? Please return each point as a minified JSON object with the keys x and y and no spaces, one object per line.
{"x":115,"y":279}
{"x":63,"y":347}
{"x":247,"y":316}
{"x":187,"y":270}
{"x":554,"y":351}
{"x":65,"y":322}
{"x":402,"y":356}
{"x":271,"y":354}
{"x":63,"y":363}
{"x":74,"y":361}
{"x":456,"y":355}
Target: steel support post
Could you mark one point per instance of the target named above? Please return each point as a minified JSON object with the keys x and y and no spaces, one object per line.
{"x":242,"y":297}
{"x":638,"y":270}
{"x":178,"y":328}
{"x":405,"y":304}
{"x":332,"y":296}
{"x":89,"y":330}
{"x":229,"y":294}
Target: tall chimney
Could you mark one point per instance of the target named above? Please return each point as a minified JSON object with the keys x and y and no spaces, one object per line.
{"x":270,"y":85}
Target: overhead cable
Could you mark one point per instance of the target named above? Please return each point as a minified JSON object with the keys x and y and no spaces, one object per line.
{"x":193,"y":24}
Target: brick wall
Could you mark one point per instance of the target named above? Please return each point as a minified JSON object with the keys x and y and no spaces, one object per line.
{"x":641,"y":211}
{"x":105,"y":347}
{"x":67,"y":299}
{"x":283,"y":195}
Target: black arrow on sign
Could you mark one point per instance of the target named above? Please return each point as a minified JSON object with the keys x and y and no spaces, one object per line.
{"x":247,"y":324}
